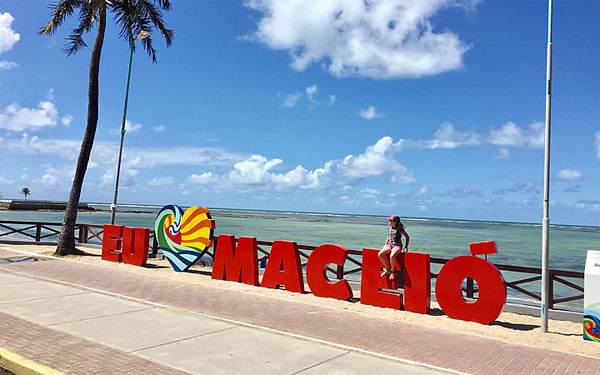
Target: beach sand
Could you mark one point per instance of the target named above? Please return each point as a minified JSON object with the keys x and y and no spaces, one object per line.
{"x":509,"y":327}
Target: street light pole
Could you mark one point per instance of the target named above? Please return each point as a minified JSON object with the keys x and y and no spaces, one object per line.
{"x":546,"y":220}
{"x":113,"y":206}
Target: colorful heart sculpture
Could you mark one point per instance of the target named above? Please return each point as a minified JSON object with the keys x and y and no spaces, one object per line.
{"x":182,"y":236}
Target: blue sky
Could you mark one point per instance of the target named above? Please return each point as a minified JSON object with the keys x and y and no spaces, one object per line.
{"x":431,"y":109}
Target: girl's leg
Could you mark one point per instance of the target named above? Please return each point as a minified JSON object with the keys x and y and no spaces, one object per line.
{"x":396,"y":250}
{"x":383,"y":258}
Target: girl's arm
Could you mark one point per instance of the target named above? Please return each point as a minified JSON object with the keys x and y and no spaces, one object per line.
{"x":407,"y":240}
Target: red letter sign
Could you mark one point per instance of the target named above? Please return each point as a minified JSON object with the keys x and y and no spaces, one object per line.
{"x":111,"y":242}
{"x":316,"y":272}
{"x":482,"y":248}
{"x":284,"y":267}
{"x":372,"y":281}
{"x":135,"y":246}
{"x":236,"y":264}
{"x":492,"y":289}
{"x":417,"y":282}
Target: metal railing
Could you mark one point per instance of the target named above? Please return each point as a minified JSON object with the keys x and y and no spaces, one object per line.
{"x":42,"y":232}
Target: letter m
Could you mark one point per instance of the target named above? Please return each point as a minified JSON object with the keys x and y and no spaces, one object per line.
{"x":236,"y":263}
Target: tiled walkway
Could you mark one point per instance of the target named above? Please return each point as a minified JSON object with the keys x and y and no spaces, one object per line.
{"x":438,"y":348}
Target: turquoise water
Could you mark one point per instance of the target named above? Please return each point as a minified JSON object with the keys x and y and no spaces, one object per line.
{"x":518,"y":243}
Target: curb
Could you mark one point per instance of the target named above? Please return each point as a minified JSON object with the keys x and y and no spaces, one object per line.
{"x":22,"y":366}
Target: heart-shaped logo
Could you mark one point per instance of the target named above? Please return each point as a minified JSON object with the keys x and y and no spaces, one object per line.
{"x":182,"y":236}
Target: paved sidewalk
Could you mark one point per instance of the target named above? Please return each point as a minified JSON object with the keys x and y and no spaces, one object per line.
{"x":79,"y":331}
{"x":137,"y":331}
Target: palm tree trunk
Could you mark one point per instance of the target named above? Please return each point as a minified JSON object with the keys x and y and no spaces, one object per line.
{"x":66,"y":241}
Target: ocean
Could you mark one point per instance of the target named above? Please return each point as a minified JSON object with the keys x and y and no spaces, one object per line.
{"x":517,"y":243}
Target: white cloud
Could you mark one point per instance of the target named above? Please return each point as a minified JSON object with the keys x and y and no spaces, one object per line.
{"x":57,"y":177}
{"x":465,"y":193}
{"x":509,"y":135}
{"x":49,"y":179}
{"x":512,"y":135}
{"x":369,"y":193}
{"x":5,"y":181}
{"x":130,"y":127}
{"x":16,"y":118}
{"x":370,"y":113}
{"x":107,"y":178}
{"x":161,"y":182}
{"x":569,"y":175}
{"x":159,"y":129}
{"x":291,"y":100}
{"x":105,"y":154}
{"x":588,"y":204}
{"x":424,"y":191}
{"x":446,"y":137}
{"x":523,"y":187}
{"x":331,"y":99}
{"x":597,"y":145}
{"x":311,"y":91}
{"x":503,"y":154}
{"x":258,"y":171}
{"x":377,"y":160}
{"x":378,"y":39}
{"x":6,"y":65}
{"x":205,"y":178}
{"x":8,"y":37}
{"x":66,"y":120}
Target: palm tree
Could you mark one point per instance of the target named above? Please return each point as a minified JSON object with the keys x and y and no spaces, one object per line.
{"x":132,"y":16}
{"x":25,"y":191}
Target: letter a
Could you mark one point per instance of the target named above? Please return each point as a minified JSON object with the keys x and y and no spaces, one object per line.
{"x":284,"y":267}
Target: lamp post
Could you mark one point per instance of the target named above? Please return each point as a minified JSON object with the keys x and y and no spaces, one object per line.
{"x":113,"y":207}
{"x":546,"y":298}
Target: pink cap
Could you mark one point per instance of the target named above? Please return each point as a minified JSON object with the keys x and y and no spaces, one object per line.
{"x":392,"y":217}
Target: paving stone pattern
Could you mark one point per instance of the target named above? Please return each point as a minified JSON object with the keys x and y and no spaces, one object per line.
{"x":444,"y":349}
{"x":70,"y":354}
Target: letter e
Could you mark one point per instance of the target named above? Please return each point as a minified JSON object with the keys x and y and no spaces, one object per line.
{"x":111,"y":242}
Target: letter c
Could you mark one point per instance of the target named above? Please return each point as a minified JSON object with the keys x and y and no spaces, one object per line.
{"x":316,"y":272}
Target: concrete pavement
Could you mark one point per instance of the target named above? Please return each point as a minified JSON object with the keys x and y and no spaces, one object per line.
{"x":75,"y":330}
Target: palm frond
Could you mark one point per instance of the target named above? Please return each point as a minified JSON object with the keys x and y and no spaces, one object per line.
{"x":148,"y":47}
{"x":59,"y":13}
{"x":149,"y":10}
{"x":134,"y":16}
{"x":87,"y":15}
{"x":127,"y":16}
{"x":164,"y":4}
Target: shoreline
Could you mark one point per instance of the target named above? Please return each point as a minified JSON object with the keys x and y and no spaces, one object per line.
{"x":152,"y":209}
